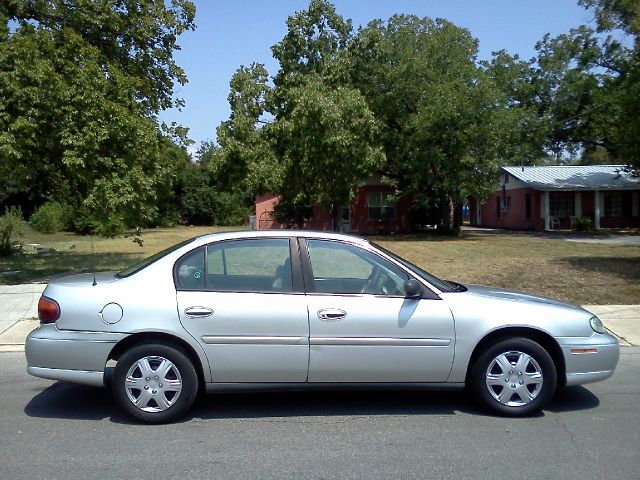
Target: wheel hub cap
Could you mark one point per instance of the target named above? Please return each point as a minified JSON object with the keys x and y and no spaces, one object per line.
{"x":514,"y":379}
{"x":153,"y":384}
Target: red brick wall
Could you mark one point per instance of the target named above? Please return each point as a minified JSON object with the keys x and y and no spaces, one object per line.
{"x":321,"y":220}
{"x":513,"y":217}
{"x":264,"y":207}
{"x":360,"y":222}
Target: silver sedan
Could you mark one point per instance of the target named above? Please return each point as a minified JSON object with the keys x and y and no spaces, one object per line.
{"x":292,"y":309}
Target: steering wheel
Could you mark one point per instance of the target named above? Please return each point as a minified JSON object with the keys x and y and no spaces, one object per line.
{"x":372,"y":280}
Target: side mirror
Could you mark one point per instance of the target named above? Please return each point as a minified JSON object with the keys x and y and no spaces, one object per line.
{"x":412,"y":288}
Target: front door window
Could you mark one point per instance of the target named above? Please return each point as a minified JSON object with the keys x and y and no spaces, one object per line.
{"x":345,"y":269}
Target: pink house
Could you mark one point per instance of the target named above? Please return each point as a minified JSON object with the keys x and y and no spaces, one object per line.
{"x":372,"y":210}
{"x":546,"y":198}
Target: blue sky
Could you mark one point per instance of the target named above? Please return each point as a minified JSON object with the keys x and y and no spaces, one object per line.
{"x":230,"y":34}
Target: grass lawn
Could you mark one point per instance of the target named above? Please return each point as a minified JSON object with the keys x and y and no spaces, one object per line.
{"x":579,"y":272}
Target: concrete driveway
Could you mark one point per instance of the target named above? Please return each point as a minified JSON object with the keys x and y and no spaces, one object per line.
{"x":612,"y":240}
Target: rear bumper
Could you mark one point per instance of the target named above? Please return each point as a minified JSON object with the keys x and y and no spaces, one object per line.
{"x":78,"y":357}
{"x":589,"y":359}
{"x":95,"y":379}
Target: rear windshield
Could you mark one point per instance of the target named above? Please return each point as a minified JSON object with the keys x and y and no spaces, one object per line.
{"x":136,"y":267}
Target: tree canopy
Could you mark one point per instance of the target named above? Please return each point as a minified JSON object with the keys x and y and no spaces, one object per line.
{"x":580,"y":96}
{"x":83,"y":82}
{"x":441,"y":114}
{"x":405,"y":99}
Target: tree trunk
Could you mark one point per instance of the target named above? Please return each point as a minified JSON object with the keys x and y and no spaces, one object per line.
{"x":458,"y":217}
{"x":447,"y":215}
{"x":335,"y":217}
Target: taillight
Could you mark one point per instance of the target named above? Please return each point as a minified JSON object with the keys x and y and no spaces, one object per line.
{"x":48,"y":310}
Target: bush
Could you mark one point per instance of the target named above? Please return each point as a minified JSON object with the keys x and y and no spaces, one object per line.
{"x":583,"y":224}
{"x":203,"y":205}
{"x":111,"y":227}
{"x":48,"y":218}
{"x":233,"y":208}
{"x":11,"y":227}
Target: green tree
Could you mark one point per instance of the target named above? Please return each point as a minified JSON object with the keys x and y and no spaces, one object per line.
{"x":441,"y":114}
{"x":580,"y":95}
{"x":203,"y":198}
{"x":623,"y":64}
{"x":405,"y":98}
{"x":308,"y":135}
{"x":325,"y":143}
{"x":246,"y":160}
{"x":83,"y":82}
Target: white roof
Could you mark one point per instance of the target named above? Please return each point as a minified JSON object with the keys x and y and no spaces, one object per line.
{"x":575,"y":177}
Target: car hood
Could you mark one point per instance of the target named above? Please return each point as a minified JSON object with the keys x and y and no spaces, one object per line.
{"x":502,"y":294}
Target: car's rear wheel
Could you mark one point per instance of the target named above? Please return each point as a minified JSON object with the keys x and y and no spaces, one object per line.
{"x":514,"y":377}
{"x":155,"y":383}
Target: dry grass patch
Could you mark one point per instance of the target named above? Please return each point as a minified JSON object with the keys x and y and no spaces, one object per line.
{"x":83,"y":253}
{"x":578,"y":272}
{"x":582,"y":273}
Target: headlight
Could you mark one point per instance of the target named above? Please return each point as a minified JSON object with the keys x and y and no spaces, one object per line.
{"x":596,"y":325}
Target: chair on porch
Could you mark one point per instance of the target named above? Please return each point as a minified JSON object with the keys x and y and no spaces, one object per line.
{"x":555,"y":223}
{"x":573,"y":220}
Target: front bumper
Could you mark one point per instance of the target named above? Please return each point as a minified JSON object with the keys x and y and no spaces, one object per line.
{"x":589,"y":359}
{"x":78,"y":357}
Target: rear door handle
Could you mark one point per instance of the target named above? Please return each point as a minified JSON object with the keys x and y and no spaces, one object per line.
{"x":199,"y":312}
{"x":331,"y":314}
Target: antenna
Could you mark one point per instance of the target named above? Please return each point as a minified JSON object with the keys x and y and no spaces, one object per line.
{"x":94,"y":270}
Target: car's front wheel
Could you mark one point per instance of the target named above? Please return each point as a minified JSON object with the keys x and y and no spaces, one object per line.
{"x":155,"y":383}
{"x":514,"y":377}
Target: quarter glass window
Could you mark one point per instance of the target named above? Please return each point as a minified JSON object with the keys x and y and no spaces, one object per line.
{"x":190,"y":270}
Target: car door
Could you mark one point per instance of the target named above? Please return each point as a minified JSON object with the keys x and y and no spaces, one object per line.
{"x":243,"y":301}
{"x":362,"y":328}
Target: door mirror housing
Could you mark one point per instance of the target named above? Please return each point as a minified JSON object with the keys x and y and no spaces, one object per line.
{"x":412,"y":288}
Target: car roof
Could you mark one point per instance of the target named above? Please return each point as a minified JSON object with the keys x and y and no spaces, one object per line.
{"x":239,"y":234}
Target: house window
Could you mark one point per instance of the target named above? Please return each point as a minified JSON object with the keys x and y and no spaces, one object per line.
{"x":498,"y":206}
{"x":527,"y":205}
{"x":508,"y":202}
{"x":561,"y":204}
{"x":617,"y":204}
{"x":381,"y":206}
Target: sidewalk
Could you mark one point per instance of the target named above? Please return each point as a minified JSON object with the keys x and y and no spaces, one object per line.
{"x":621,"y":320}
{"x":19,"y":313}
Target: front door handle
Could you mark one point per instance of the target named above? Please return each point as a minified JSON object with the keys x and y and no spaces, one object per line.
{"x":331,"y":314}
{"x":199,"y":312}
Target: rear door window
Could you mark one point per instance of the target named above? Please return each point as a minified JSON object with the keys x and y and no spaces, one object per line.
{"x":251,"y":265}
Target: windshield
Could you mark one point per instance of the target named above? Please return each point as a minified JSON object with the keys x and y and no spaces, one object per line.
{"x":440,"y":284}
{"x":136,"y":267}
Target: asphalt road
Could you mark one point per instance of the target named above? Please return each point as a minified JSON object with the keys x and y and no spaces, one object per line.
{"x":54,"y":430}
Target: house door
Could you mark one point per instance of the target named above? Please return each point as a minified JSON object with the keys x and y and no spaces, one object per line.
{"x":346,"y":220}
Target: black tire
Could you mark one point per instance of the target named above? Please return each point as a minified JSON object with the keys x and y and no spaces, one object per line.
{"x":162,"y":398}
{"x":502,"y":363}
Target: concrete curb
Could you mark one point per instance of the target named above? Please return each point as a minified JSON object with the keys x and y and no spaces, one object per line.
{"x":623,"y":321}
